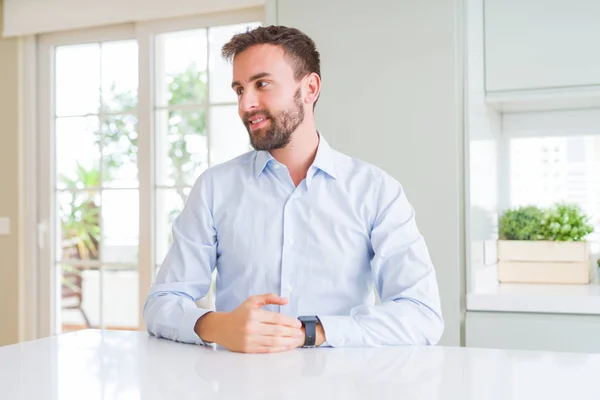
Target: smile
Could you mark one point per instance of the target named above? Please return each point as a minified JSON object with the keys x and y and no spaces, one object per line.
{"x":257,"y":123}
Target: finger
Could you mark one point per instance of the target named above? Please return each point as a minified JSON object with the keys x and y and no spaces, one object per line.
{"x":267,"y":329}
{"x":264,"y":299}
{"x":269,"y":317}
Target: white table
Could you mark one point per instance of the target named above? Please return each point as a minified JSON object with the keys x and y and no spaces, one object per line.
{"x":131,"y":365}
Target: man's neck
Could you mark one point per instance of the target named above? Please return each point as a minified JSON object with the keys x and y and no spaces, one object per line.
{"x":300,"y":153}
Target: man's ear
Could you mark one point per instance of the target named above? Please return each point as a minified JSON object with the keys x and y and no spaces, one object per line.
{"x":312,"y":87}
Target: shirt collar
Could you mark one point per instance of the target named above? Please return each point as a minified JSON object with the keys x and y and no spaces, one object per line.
{"x":261,"y":159}
{"x":324,"y":159}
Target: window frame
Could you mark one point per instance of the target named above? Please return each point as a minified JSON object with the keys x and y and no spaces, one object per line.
{"x":44,"y":302}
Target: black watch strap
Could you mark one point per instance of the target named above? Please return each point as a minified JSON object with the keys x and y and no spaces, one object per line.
{"x":309,"y":322}
{"x":310,"y":336}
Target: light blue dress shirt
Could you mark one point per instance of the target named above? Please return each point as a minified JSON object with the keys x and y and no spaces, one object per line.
{"x":326,"y":244}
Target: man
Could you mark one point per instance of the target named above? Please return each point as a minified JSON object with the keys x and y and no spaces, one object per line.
{"x":299,"y":233}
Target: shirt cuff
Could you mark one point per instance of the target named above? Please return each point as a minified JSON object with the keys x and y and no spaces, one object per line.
{"x":341,"y":331}
{"x":186,"y":331}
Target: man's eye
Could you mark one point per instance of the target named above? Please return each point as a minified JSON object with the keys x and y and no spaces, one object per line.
{"x":239,"y":91}
{"x":261,"y":84}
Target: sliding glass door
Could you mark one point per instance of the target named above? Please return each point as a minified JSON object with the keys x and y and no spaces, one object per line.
{"x":129,"y":117}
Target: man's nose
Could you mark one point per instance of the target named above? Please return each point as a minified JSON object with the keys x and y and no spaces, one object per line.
{"x":248,"y":101}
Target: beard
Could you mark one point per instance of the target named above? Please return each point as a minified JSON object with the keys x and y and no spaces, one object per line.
{"x":279,"y":132}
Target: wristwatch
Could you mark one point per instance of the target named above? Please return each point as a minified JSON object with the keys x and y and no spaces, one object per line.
{"x":309,"y":322}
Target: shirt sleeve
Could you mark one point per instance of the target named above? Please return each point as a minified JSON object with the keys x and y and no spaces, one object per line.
{"x":185,"y":276}
{"x":401,"y":268}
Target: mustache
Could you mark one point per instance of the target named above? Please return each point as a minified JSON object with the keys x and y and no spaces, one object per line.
{"x":247,"y":116}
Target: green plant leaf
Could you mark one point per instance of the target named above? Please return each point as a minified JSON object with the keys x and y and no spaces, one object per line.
{"x":565,"y":222}
{"x":521,"y":223}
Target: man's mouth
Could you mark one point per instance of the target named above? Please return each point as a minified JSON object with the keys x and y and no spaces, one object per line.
{"x":257,"y":121}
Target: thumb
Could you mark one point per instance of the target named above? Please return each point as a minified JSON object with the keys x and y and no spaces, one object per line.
{"x":264,"y":299}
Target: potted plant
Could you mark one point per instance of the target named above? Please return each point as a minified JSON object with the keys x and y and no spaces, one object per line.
{"x":544,"y":245}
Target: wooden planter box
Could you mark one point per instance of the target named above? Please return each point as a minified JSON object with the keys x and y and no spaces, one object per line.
{"x":543,"y":262}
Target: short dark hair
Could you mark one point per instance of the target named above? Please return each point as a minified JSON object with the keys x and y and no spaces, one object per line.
{"x":298,"y":48}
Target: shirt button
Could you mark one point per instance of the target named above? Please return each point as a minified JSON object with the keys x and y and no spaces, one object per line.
{"x":276,"y":166}
{"x":291,"y":241}
{"x":296,"y":195}
{"x":289,"y":289}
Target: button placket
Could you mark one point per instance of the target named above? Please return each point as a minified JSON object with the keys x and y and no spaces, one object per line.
{"x":288,"y":241}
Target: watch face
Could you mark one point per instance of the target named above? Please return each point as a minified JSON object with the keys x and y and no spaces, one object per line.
{"x":310,"y":318}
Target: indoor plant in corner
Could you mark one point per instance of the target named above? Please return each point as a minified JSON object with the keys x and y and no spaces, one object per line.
{"x":544,"y":245}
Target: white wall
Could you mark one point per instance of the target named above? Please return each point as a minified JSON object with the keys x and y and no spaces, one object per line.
{"x":392,"y":96}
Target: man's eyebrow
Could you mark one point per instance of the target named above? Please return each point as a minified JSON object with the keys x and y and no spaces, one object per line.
{"x":252,"y":78}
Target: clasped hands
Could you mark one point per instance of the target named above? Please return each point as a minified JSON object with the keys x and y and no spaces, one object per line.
{"x":250,"y":329}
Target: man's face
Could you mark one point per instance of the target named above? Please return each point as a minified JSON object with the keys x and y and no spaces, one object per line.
{"x":270,"y":100}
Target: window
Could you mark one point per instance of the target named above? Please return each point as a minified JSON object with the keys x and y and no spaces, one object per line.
{"x":549,"y":169}
{"x":195,"y":113}
{"x":134,"y":114}
{"x":530,"y":158}
{"x":537,"y":146}
{"x":96,"y":185}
